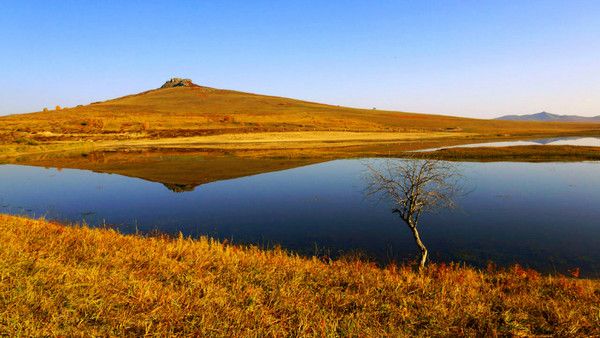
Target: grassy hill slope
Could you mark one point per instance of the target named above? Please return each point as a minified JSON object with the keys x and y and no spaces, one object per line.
{"x":194,"y":111}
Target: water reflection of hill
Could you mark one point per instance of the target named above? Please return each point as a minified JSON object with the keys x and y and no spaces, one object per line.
{"x":181,"y":169}
{"x":178,"y":171}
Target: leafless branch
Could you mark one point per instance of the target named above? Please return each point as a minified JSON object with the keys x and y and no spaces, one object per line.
{"x":414,"y":186}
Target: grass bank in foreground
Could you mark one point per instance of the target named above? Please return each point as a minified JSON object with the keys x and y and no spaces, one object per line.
{"x":57,"y":280}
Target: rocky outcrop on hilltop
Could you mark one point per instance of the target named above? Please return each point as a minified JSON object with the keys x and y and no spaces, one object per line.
{"x":179,"y":82}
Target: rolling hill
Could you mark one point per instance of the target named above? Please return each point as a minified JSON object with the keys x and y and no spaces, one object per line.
{"x":183,"y":109}
{"x":548,"y":117}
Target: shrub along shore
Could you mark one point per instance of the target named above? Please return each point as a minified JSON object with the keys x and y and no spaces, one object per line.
{"x":58,"y":280}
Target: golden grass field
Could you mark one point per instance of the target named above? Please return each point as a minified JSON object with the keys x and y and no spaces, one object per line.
{"x":60,"y":280}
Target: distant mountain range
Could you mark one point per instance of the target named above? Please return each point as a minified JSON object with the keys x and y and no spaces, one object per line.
{"x":547,"y":117}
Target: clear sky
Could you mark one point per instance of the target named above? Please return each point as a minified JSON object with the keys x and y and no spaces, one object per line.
{"x":469,"y":58}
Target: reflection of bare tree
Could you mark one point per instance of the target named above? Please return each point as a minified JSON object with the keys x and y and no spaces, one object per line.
{"x":414,"y":186}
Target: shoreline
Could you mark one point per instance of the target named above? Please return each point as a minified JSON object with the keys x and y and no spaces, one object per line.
{"x":264,"y":144}
{"x":186,"y":168}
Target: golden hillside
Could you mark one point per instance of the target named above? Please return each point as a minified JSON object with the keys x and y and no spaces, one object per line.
{"x":189,"y":111}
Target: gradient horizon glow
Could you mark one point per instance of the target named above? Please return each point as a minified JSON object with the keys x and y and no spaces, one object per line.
{"x":469,"y":58}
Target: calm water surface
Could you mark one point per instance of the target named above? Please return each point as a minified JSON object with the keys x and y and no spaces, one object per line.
{"x":542,"y":215}
{"x":559,"y":141}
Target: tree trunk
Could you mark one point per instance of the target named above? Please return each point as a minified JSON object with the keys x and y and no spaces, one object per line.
{"x":415,"y":232}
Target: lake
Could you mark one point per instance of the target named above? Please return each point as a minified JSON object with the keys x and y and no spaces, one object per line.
{"x":541,"y":215}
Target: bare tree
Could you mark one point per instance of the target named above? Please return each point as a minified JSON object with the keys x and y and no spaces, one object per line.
{"x":415,"y":186}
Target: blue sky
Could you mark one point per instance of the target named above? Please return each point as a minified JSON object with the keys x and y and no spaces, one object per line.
{"x":469,"y":58}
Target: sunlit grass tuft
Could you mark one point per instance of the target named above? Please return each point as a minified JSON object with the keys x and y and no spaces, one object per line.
{"x":66,"y":281}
